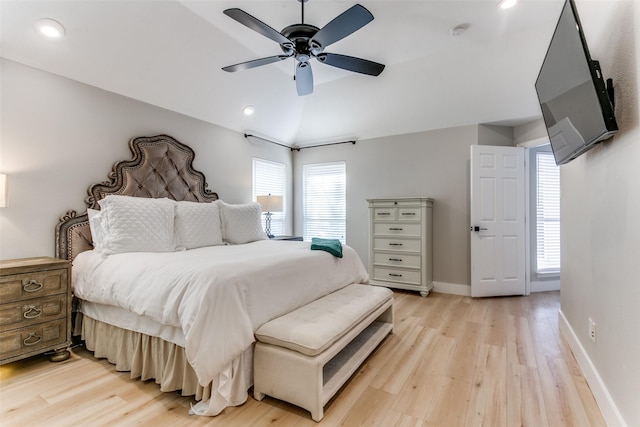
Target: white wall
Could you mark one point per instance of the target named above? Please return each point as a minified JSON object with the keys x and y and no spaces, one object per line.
{"x":59,"y":136}
{"x":431,"y":164}
{"x":600,"y":275}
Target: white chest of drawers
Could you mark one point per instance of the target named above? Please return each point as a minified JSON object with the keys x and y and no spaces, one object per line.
{"x":401,"y":243}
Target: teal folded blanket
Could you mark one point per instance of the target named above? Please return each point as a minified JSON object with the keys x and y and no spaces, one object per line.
{"x":333,"y":246}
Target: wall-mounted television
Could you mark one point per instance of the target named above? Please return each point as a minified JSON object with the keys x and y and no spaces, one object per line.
{"x":574,"y":99}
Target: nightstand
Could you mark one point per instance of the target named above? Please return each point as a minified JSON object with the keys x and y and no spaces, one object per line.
{"x":35,"y":308}
{"x":296,"y":238}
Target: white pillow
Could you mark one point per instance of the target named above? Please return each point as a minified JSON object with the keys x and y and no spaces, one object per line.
{"x":137,"y":224}
{"x":242,"y":223}
{"x":97,"y":230}
{"x":197,"y":224}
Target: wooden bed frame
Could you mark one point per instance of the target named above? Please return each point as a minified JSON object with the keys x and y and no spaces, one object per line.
{"x":161,"y":167}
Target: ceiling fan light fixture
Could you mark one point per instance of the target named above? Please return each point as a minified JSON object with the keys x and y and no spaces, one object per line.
{"x":50,"y":28}
{"x":304,"y":42}
{"x":507,"y":4}
{"x":249,"y":110}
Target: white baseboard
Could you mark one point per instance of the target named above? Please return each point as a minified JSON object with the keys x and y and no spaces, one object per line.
{"x":547,"y":285}
{"x":604,"y":400}
{"x":452,"y":288}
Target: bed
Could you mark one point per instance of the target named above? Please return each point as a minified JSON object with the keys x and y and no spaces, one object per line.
{"x":182,"y":308}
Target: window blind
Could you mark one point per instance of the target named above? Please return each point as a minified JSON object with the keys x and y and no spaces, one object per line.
{"x":547,"y":213}
{"x":270,"y":178}
{"x":324,"y":201}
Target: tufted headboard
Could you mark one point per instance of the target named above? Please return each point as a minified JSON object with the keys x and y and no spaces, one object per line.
{"x":161,"y":167}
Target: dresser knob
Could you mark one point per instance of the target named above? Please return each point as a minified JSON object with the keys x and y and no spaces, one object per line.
{"x":32,"y":312}
{"x":32,"y":286}
{"x":32,"y":339}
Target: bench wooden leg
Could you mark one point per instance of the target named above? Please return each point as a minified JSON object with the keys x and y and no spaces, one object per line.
{"x":317,"y":414}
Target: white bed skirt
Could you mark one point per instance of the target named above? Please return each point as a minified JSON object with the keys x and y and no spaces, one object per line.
{"x":148,"y":357}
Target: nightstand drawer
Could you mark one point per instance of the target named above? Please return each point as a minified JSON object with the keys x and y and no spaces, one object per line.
{"x":25,"y":313}
{"x":397,"y":275}
{"x":19,"y":287}
{"x":30,"y":340}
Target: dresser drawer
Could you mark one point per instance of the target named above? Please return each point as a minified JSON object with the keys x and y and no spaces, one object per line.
{"x":19,"y":287}
{"x":30,"y":339}
{"x":399,"y":244}
{"x":409,"y":214}
{"x":397,"y":260}
{"x":397,"y":275}
{"x":29,"y":312}
{"x":385,"y":214}
{"x":396,"y":229}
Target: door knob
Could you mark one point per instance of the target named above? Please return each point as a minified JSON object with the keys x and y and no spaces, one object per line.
{"x":477,"y":228}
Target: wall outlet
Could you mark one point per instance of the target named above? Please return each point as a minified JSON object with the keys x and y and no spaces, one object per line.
{"x":592,"y":330}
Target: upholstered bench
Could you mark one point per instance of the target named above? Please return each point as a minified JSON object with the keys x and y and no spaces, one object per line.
{"x":305,"y":356}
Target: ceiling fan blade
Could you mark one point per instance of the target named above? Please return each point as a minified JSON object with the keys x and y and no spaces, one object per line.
{"x":255,"y":63}
{"x":358,"y":65}
{"x":341,"y":26}
{"x":304,"y":79}
{"x":257,"y":25}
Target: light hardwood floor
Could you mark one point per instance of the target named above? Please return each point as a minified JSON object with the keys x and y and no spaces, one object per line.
{"x":452,"y":361}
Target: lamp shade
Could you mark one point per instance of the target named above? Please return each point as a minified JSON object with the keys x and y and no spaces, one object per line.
{"x":270,"y":203}
{"x":3,"y":190}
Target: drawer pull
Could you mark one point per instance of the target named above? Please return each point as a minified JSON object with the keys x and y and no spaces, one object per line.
{"x":395,"y":275}
{"x":32,"y":312}
{"x":395,"y":228}
{"x":32,"y":286}
{"x":395,"y":259}
{"x":383,"y":213}
{"x":409,"y":213}
{"x":32,"y":339}
{"x":395,"y":244}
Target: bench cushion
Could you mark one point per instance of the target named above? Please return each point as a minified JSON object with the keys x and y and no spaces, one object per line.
{"x":312,"y":328}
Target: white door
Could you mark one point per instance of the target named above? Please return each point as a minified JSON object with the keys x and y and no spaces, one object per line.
{"x":497,"y":221}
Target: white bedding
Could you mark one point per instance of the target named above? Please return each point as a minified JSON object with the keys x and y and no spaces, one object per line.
{"x":218,"y":295}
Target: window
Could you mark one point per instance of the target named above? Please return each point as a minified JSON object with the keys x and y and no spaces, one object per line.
{"x":324,"y":201}
{"x":547,"y":208}
{"x":270,"y":178}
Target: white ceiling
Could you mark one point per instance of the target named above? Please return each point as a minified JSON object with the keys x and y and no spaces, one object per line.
{"x":170,"y":53}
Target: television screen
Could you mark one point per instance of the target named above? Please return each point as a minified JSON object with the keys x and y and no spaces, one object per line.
{"x":573,"y":97}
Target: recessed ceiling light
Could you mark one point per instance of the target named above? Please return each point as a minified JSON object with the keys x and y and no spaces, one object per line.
{"x":507,"y":4}
{"x":248,"y":110}
{"x":50,"y":28}
{"x":458,"y":30}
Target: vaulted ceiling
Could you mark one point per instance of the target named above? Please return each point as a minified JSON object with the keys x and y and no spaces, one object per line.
{"x":170,"y":54}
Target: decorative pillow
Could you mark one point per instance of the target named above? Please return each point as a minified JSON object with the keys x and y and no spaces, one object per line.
{"x":97,"y":230}
{"x":137,"y":224}
{"x":197,"y":224}
{"x":242,"y":223}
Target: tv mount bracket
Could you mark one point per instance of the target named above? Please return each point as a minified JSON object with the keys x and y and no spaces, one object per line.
{"x":610,"y":93}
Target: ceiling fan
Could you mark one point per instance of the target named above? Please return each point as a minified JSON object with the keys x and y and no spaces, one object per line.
{"x":304,"y":42}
